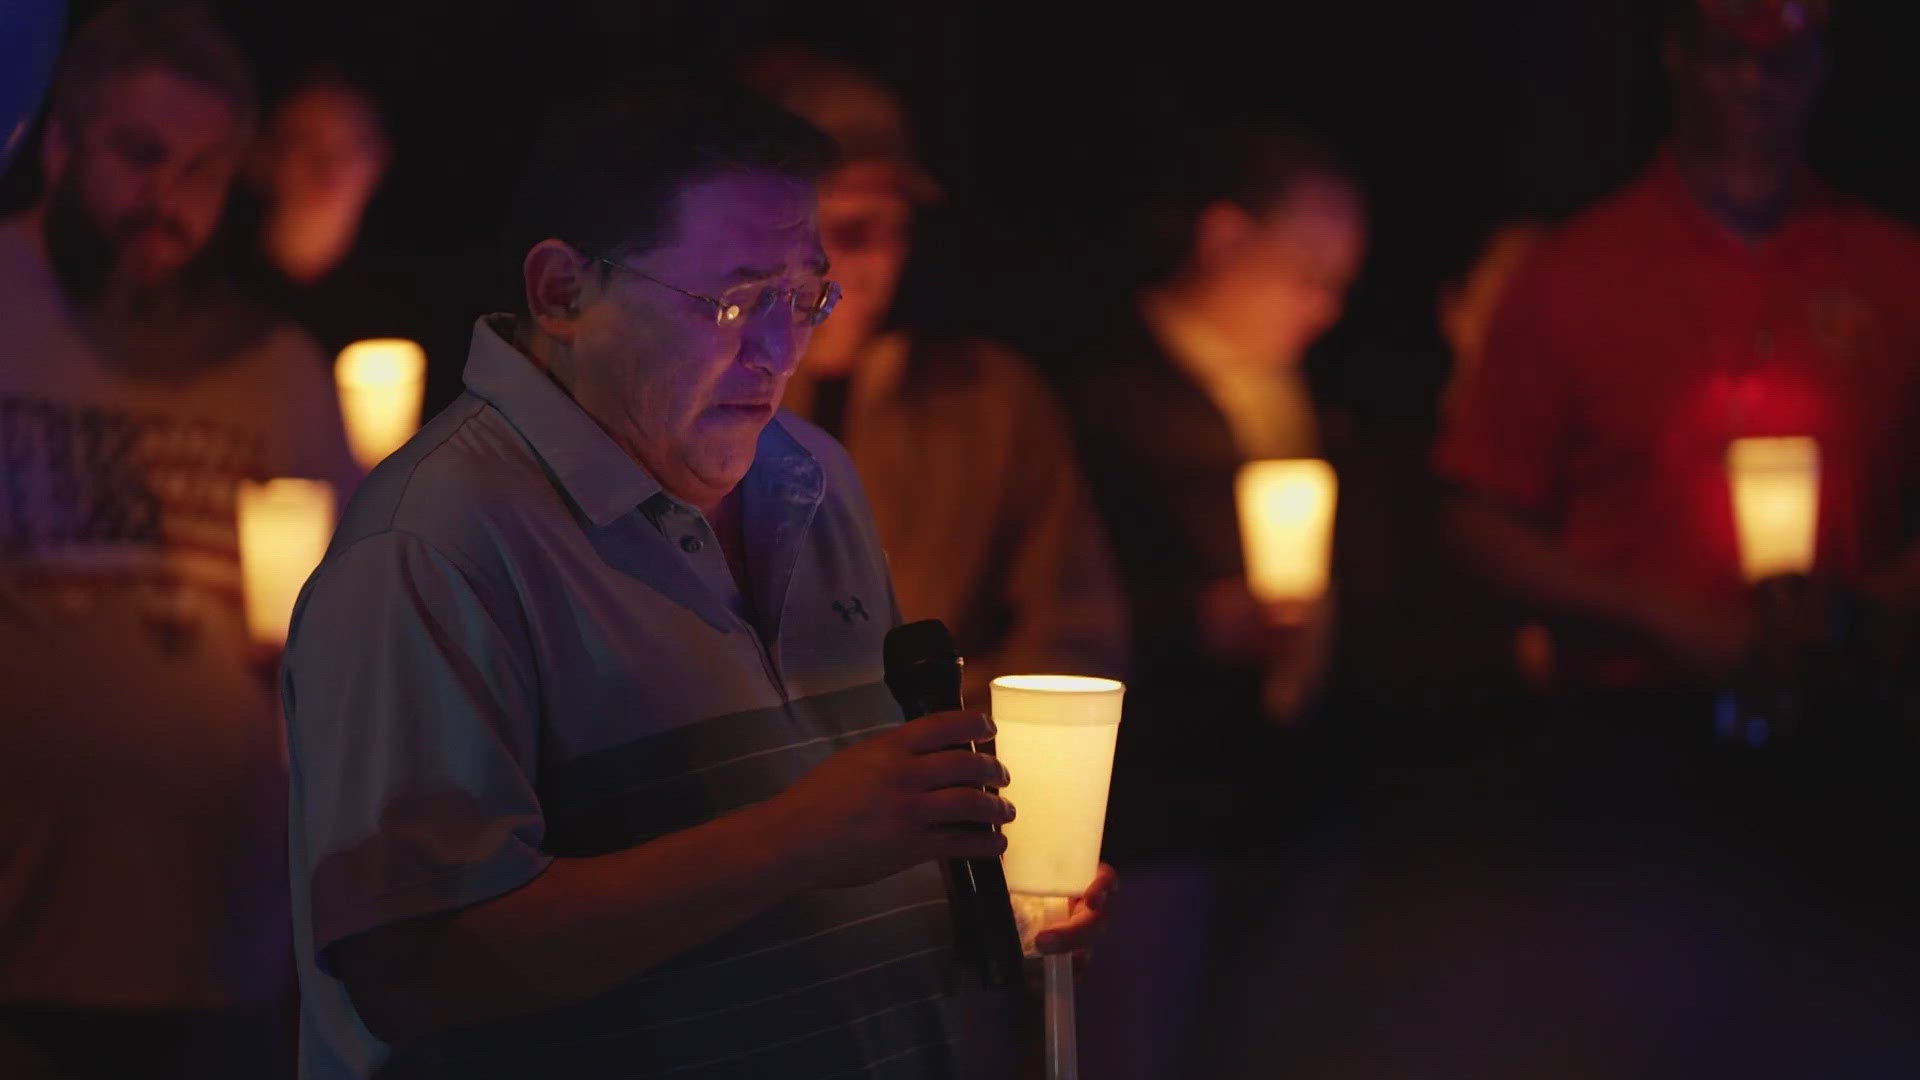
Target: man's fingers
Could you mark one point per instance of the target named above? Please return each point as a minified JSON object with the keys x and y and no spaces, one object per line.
{"x":1099,"y":894}
{"x":962,"y":806}
{"x":1078,"y":932}
{"x":1086,"y":916}
{"x":943,"y":731}
{"x":959,"y":768}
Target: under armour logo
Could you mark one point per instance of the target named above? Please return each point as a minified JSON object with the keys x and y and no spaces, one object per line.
{"x":851,"y":608}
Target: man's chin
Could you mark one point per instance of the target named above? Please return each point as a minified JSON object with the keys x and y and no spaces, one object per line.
{"x":145,"y":271}
{"x":722,"y":462}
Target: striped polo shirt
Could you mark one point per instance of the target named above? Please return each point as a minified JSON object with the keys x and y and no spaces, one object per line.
{"x":519,"y":647}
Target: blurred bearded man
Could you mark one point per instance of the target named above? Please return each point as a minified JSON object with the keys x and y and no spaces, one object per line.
{"x":142,"y":773}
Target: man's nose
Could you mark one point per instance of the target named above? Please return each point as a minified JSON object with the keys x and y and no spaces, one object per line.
{"x":168,"y":190}
{"x":776,"y":344}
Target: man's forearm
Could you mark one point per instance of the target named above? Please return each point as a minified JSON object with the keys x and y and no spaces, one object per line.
{"x":582,"y":927}
{"x":1519,"y":558}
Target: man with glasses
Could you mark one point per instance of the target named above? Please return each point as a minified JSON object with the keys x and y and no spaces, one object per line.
{"x":595,"y":773}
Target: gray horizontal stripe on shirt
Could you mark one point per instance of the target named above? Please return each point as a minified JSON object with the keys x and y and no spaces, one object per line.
{"x":705,"y":992}
{"x":714,"y":1014}
{"x":693,"y":1008}
{"x":661,"y":783}
{"x":848,"y":925}
{"x":771,"y":997}
{"x":792,"y":1008}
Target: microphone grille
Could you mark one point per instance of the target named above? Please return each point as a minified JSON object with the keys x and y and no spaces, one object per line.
{"x":911,"y":643}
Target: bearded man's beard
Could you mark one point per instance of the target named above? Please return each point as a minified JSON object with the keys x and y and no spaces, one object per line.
{"x":191,"y":319}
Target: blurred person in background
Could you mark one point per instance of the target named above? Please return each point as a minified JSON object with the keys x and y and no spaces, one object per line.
{"x":1196,"y":375}
{"x":298,"y":231}
{"x":965,"y":455}
{"x":142,"y":771}
{"x":1423,"y":664}
{"x":1469,"y":301}
{"x":1725,"y":293}
{"x":319,"y":162}
{"x":1465,"y":310}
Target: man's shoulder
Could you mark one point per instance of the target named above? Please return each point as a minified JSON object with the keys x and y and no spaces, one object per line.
{"x":962,"y":376}
{"x":998,"y":368}
{"x":284,"y":341}
{"x":1604,"y":235}
{"x":1613,"y":232}
{"x":30,"y":306}
{"x":284,"y":362}
{"x":16,"y":239}
{"x":1891,"y":244}
{"x":462,"y":477}
{"x":1121,"y":380}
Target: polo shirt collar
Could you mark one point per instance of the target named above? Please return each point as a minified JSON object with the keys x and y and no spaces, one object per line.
{"x":785,"y":487}
{"x":1800,"y":227}
{"x":603,"y":481}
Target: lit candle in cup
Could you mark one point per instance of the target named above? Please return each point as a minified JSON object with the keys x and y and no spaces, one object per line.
{"x":1286,"y":527}
{"x":381,"y":383}
{"x":285,"y":525}
{"x":1055,"y":734}
{"x":1776,"y":504}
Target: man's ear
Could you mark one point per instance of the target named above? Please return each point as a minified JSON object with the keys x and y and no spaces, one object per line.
{"x":56,"y":151}
{"x":1220,"y":229}
{"x":555,"y":277}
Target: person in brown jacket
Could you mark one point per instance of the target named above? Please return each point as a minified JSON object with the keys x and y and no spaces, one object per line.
{"x":967,"y":458}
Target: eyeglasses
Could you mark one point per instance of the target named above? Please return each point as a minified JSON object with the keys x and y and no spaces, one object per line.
{"x":809,"y":304}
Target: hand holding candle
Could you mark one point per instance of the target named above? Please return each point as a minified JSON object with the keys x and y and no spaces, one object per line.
{"x":1086,"y":919}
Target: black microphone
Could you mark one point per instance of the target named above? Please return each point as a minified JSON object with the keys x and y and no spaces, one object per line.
{"x":923,"y":672}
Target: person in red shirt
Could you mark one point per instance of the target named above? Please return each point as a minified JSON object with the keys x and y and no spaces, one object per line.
{"x":1725,"y":293}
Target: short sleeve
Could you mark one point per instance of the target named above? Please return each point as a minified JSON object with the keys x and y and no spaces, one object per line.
{"x":413,"y":722}
{"x":1505,"y":438}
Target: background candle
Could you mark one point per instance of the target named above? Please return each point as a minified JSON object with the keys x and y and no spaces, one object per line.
{"x":1286,"y":527}
{"x":381,"y":383}
{"x":285,"y":525}
{"x":1776,"y":504}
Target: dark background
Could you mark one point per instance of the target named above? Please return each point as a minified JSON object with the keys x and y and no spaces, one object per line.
{"x":1048,"y":122}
